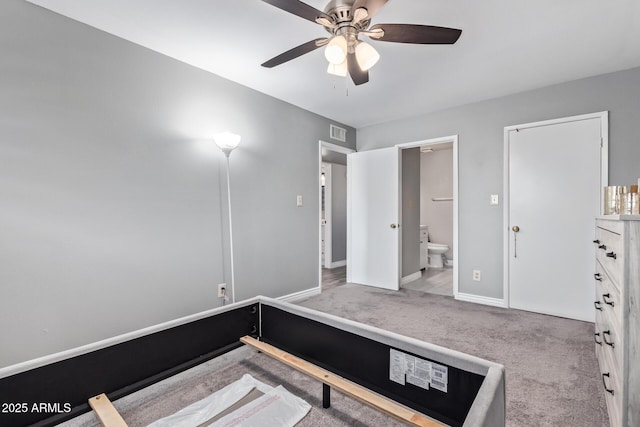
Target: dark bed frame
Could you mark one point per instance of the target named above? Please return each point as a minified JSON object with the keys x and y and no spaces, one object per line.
{"x":125,"y":367}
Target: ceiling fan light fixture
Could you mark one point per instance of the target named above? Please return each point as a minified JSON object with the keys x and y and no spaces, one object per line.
{"x":366,"y":56}
{"x":336,"y":50}
{"x":338,"y":69}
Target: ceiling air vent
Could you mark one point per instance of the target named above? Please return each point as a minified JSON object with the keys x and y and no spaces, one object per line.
{"x":337,"y":133}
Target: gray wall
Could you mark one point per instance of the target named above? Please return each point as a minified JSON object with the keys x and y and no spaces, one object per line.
{"x":480,"y":128}
{"x":338,"y":212}
{"x":111,"y":219}
{"x":410,"y":224}
{"x":436,"y":181}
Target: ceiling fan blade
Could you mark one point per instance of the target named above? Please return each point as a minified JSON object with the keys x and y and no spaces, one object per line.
{"x":296,"y":52}
{"x":372,"y":6}
{"x":418,"y":34}
{"x":299,"y":8}
{"x":357,"y":75}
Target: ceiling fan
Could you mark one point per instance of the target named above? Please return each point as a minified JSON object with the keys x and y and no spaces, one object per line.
{"x":346,"y":21}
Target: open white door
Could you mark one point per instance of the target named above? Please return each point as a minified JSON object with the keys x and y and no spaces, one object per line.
{"x":373,"y":212}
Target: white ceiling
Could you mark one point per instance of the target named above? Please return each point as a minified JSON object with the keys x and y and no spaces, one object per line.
{"x":507,"y":46}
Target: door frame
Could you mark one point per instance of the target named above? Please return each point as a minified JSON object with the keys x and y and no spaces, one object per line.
{"x":433,"y":141}
{"x":339,"y":149}
{"x":328,"y":232}
{"x":604,"y":179}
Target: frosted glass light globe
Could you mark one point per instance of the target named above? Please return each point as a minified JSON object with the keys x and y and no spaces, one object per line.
{"x":336,"y":50}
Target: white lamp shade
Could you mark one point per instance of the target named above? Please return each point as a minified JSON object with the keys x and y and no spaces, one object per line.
{"x":366,"y":56}
{"x":226,"y":141}
{"x":338,"y":69}
{"x":336,"y":50}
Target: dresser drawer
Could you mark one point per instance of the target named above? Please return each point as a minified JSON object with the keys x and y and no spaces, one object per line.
{"x":611,"y":386}
{"x":609,"y":341}
{"x":610,"y":252}
{"x":608,"y":298}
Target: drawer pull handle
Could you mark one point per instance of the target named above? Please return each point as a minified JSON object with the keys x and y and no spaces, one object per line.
{"x":605,"y":334}
{"x":598,"y":277}
{"x":611,"y":255}
{"x":603,"y":247}
{"x":597,"y":242}
{"x":597,"y":334}
{"x":607,"y":389}
{"x":610,"y":302}
{"x":597,"y":305}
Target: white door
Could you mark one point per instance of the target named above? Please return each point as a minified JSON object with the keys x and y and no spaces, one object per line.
{"x":373,"y":235}
{"x":554,"y":188}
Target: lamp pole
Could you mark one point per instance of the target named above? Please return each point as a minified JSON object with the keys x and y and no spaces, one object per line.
{"x":227,"y":142}
{"x":233,"y":283}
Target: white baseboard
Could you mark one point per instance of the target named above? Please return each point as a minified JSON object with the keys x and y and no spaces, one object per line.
{"x":478,"y":299}
{"x":338,"y":264}
{"x":297,"y":296}
{"x":410,"y":278}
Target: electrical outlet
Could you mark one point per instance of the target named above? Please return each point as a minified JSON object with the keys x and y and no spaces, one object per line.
{"x":476,"y":275}
{"x":222,"y":290}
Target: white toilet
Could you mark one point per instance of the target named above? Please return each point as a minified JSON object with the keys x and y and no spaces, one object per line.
{"x":436,"y":254}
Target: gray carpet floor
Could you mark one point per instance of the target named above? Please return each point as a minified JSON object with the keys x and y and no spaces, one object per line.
{"x":551,"y":370}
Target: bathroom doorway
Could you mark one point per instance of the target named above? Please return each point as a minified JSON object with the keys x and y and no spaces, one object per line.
{"x":430,"y":216}
{"x":333,"y":214}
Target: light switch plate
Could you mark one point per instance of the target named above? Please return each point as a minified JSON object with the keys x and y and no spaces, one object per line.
{"x":299,"y":201}
{"x":494,"y":199}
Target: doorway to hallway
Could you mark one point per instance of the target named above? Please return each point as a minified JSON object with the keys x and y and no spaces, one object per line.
{"x":333,"y":214}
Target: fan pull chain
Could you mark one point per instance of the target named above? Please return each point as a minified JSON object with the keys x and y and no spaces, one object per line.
{"x":346,"y":84}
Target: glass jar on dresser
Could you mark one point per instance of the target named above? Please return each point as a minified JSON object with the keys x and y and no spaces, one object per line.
{"x":617,"y":305}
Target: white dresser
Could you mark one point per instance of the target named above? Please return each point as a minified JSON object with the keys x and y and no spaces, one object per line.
{"x":617,"y":304}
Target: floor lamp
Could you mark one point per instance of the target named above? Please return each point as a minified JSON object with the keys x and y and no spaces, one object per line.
{"x":227,"y":142}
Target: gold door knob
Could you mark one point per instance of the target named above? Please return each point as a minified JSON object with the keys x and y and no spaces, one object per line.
{"x":393,"y":226}
{"x":515,"y":228}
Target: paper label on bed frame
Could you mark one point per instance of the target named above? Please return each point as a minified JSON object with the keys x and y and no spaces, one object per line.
{"x":396,"y":366}
{"x":405,"y":368}
{"x":439,"y":377}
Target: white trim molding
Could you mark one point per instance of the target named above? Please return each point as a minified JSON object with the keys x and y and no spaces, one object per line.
{"x":299,"y":296}
{"x":478,"y":299}
{"x":410,"y":278}
{"x":336,"y":147}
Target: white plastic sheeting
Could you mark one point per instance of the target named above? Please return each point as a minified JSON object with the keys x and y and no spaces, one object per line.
{"x":276,"y":407}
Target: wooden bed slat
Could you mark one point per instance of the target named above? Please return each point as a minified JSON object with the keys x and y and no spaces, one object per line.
{"x":356,"y":391}
{"x":106,"y":412}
